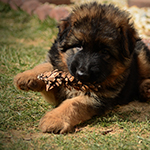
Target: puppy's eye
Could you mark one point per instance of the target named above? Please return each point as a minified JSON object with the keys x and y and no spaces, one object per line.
{"x":79,"y":48}
{"x":105,"y":52}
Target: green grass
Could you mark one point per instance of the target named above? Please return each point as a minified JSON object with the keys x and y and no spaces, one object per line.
{"x":24,"y":42}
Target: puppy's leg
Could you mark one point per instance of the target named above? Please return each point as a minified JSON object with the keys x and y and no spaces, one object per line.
{"x":70,"y":113}
{"x":27,"y":80}
{"x":145,"y":90}
{"x":144,"y":72}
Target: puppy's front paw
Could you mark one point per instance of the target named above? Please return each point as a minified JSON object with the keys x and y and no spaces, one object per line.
{"x":28,"y":81}
{"x":145,"y":90}
{"x":54,"y":123}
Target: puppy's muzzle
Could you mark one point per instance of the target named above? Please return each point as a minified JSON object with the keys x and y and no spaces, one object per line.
{"x":82,"y":75}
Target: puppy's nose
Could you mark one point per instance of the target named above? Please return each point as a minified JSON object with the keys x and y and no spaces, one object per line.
{"x":82,"y":75}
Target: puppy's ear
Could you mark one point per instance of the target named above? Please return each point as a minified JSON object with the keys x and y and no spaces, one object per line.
{"x":129,"y":37}
{"x":64,"y":28}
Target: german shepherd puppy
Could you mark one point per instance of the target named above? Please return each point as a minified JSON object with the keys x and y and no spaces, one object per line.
{"x":97,"y":44}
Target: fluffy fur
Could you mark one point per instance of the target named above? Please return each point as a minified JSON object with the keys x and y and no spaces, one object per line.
{"x":97,"y":44}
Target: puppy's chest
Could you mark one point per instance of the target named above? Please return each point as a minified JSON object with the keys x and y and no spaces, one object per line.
{"x":99,"y":95}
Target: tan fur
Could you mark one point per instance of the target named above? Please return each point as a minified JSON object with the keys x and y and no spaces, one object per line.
{"x":50,"y":96}
{"x":115,"y":75}
{"x":73,"y":111}
{"x":63,"y":63}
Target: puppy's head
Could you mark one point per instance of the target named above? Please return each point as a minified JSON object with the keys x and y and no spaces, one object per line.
{"x":97,"y":42}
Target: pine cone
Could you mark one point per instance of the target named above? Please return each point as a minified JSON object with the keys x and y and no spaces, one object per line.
{"x":56,"y":78}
